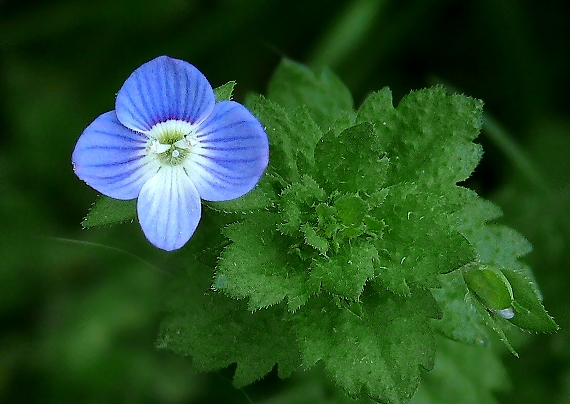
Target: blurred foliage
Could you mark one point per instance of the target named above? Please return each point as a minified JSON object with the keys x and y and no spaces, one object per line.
{"x":80,"y":310}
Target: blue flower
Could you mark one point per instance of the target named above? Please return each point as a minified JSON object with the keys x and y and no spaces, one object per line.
{"x":169,"y":144}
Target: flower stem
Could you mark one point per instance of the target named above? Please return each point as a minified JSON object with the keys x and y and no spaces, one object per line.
{"x":513,"y":151}
{"x":107,"y":247}
{"x":347,"y":32}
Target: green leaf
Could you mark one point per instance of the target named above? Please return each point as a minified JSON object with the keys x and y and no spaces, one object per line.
{"x":327,"y":220}
{"x":307,"y":190}
{"x":346,"y":273}
{"x":260,"y":197}
{"x":501,"y":245}
{"x":378,"y":110}
{"x":462,"y":374}
{"x":428,"y":137}
{"x":305,"y":137}
{"x":350,"y":162}
{"x":225,"y":91}
{"x":474,"y":212}
{"x":110,"y":211}
{"x":256,"y":265}
{"x":217,"y":331}
{"x":419,"y":240}
{"x":350,"y":209}
{"x":292,"y":219}
{"x":313,"y":239}
{"x":281,"y":132}
{"x":460,"y":320}
{"x":530,"y":314}
{"x":377,"y":350}
{"x":292,"y":135}
{"x":496,"y":323}
{"x":295,"y":200}
{"x":327,"y":99}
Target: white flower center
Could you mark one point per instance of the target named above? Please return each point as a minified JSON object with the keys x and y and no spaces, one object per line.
{"x":171,"y":141}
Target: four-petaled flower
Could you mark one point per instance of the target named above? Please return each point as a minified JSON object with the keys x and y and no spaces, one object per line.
{"x":169,"y":144}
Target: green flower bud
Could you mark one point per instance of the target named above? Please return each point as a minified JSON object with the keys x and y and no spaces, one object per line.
{"x":491,"y":287}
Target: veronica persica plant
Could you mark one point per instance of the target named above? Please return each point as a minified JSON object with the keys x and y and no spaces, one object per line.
{"x":169,"y":144}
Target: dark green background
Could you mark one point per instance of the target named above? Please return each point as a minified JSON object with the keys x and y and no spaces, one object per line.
{"x":79,"y":309}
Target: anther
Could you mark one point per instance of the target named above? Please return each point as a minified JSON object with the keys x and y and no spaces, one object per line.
{"x":156,"y":147}
{"x":190,"y":141}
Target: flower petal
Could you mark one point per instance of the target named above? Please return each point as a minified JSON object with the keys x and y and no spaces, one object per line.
{"x":231,"y":153}
{"x":169,"y":208}
{"x":112,"y":159}
{"x":161,"y":90}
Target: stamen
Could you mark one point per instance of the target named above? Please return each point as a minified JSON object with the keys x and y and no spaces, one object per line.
{"x":187,"y":142}
{"x":191,"y":141}
{"x":154,"y":146}
{"x":181,"y":144}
